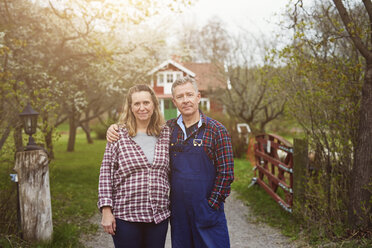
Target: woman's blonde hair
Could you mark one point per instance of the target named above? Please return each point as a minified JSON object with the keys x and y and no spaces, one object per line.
{"x":128,"y":119}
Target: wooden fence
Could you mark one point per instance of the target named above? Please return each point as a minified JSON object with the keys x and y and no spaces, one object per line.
{"x":274,"y":167}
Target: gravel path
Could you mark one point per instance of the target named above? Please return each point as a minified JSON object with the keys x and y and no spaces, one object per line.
{"x":244,"y":231}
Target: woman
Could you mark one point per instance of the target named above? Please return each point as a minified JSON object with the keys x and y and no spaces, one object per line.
{"x":134,"y":176}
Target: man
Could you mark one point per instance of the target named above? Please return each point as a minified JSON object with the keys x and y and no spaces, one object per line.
{"x":202,"y":169}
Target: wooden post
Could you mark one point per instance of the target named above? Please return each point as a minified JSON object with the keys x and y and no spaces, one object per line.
{"x":34,"y":195}
{"x":300,"y":164}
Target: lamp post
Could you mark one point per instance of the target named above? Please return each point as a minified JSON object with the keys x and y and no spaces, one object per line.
{"x":29,"y":119}
{"x":32,"y":170}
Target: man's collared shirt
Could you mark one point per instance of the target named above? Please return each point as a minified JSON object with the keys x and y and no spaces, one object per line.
{"x":191,"y":129}
{"x":218,"y":147}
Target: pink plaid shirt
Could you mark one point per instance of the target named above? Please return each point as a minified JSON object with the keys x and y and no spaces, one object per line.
{"x":136,"y":190}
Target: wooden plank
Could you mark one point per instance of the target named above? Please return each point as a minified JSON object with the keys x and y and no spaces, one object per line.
{"x":274,"y":179}
{"x":274,"y":161}
{"x":274,"y":195}
{"x":300,"y":163}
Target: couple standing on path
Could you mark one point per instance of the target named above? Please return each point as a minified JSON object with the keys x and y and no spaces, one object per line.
{"x":192,"y":155}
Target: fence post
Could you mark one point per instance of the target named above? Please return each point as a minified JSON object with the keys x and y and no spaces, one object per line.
{"x":34,"y":195}
{"x":300,"y":164}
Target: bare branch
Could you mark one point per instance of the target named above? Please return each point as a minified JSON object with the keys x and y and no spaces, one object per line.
{"x":349,"y":25}
{"x":368,"y":5}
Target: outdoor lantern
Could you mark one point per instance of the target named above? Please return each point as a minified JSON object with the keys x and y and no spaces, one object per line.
{"x":29,"y":119}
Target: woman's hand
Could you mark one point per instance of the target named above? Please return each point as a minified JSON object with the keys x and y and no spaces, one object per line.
{"x":108,"y":221}
{"x":112,"y":134}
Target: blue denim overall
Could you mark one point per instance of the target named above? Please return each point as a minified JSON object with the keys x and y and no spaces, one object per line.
{"x":194,"y":224}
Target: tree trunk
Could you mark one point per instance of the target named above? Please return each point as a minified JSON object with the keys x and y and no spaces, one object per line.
{"x":49,"y":142}
{"x":85,"y":126}
{"x":17,"y":135}
{"x":48,"y":135}
{"x":5,"y":135}
{"x":72,"y":132}
{"x":86,"y":129}
{"x":34,"y":195}
{"x":359,"y":213}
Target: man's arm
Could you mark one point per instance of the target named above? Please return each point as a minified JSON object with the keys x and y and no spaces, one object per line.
{"x":224,"y":163}
{"x":112,"y":134}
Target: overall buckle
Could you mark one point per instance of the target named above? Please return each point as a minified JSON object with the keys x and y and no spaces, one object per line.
{"x":197,"y":142}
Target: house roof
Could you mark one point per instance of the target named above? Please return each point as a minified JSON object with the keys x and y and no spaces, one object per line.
{"x":207,"y":75}
{"x":177,"y":65}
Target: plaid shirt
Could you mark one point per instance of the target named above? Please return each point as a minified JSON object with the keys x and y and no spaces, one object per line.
{"x":219,"y":149}
{"x":136,"y":190}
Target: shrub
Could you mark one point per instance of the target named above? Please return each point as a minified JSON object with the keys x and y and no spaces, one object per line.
{"x":8,"y":194}
{"x":101,"y":128}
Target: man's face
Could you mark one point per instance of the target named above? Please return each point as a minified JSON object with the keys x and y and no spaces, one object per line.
{"x":186,"y":99}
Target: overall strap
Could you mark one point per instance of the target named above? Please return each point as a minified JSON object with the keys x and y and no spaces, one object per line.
{"x":200,"y":131}
{"x":174,"y":134}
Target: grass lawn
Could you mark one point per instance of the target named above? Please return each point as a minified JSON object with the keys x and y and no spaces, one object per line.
{"x":267,"y":210}
{"x":74,"y":187}
{"x":262,"y":205}
{"x":74,"y":191}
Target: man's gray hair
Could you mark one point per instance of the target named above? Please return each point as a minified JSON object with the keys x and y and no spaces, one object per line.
{"x":184,"y":80}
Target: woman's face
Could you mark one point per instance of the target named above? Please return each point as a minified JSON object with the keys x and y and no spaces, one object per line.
{"x":142,"y":106}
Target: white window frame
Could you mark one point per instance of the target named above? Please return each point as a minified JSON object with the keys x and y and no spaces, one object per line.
{"x":161,"y":101}
{"x":175,"y":75}
{"x":158,"y":83}
{"x":205,"y":101}
{"x":168,"y":75}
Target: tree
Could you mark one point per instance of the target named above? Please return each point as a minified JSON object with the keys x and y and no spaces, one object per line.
{"x":361,"y":180}
{"x":103,"y":35}
{"x":250,"y":97}
{"x":209,"y":43}
{"x":73,"y":57}
{"x":22,"y":75}
{"x":324,"y":85}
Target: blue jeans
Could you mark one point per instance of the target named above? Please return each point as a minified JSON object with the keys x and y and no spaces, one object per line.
{"x":139,"y":234}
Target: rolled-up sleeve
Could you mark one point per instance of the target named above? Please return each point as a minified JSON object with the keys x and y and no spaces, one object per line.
{"x":106,"y":176}
{"x":224,"y":163}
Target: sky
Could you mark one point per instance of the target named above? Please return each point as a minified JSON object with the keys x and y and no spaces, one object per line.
{"x":255,"y":16}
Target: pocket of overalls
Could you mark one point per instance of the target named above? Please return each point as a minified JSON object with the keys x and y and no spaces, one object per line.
{"x":187,"y":161}
{"x":205,"y":215}
{"x":198,"y":157}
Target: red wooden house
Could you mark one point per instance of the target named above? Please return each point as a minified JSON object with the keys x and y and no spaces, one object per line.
{"x":207,"y":78}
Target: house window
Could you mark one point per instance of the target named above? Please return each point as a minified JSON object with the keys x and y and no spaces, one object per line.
{"x":170,"y":78}
{"x":167,"y":78}
{"x":205,"y":104}
{"x":160,"y":79}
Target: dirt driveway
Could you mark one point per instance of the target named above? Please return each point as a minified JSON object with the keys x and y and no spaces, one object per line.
{"x":244,"y":231}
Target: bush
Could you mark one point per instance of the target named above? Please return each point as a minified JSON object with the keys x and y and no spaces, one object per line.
{"x":100,"y":131}
{"x":101,"y":128}
{"x":8,"y":194}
